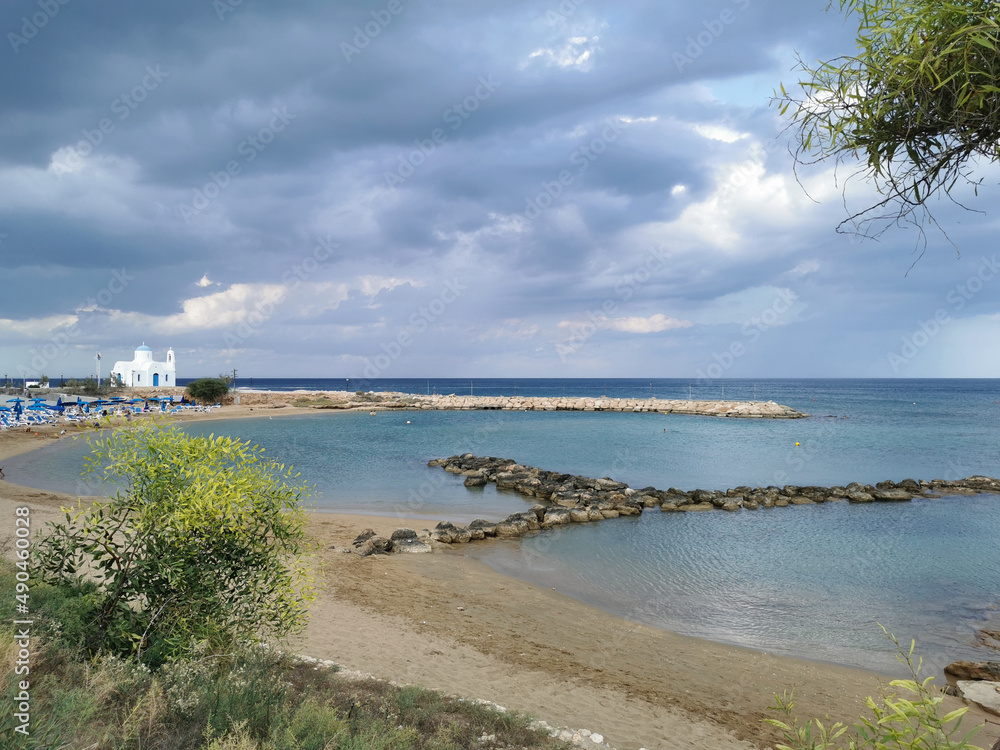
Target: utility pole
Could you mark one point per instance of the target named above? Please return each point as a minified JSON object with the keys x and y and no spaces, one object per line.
{"x":234,"y":378}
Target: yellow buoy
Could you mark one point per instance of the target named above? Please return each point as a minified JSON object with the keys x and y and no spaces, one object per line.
{"x":796,"y":443}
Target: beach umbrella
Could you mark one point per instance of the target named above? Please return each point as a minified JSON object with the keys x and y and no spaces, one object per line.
{"x":137,"y":401}
{"x":15,"y":401}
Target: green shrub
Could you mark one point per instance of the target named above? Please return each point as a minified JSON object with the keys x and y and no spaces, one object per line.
{"x":898,"y":722}
{"x":204,"y":541}
{"x":208,"y":389}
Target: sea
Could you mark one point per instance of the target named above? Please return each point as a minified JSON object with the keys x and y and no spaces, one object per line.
{"x":817,"y":582}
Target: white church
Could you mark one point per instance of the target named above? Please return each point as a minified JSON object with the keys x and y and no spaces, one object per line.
{"x":143,"y":372}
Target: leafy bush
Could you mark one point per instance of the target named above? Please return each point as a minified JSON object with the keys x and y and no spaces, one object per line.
{"x":208,"y":389}
{"x":908,"y":722}
{"x":204,"y":541}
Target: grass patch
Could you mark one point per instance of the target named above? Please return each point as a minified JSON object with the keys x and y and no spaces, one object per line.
{"x":253,"y":699}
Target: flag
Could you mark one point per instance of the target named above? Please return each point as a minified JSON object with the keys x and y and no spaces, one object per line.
{"x":98,"y":356}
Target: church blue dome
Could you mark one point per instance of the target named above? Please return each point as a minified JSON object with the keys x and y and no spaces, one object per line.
{"x":143,"y":348}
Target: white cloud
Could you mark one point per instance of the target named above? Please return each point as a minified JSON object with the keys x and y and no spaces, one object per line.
{"x":218,"y":310}
{"x":205,"y":281}
{"x":805,"y":268}
{"x":652,"y":324}
{"x":716,"y":132}
{"x":35,"y":327}
{"x":577,"y":52}
{"x":301,"y":300}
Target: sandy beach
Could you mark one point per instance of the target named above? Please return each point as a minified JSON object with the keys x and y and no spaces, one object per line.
{"x":448,"y":622}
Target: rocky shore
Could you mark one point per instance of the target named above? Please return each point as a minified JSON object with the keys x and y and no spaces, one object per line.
{"x":567,"y":499}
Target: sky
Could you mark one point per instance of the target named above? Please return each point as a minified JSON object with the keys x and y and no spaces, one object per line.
{"x":474,"y":188}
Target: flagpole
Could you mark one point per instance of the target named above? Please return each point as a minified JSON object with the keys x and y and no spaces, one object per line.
{"x":98,"y":369}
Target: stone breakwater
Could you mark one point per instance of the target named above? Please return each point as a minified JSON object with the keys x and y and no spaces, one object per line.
{"x":743,"y":409}
{"x":391,"y":400}
{"x":567,"y":499}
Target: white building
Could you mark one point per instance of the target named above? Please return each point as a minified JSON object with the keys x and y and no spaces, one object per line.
{"x":143,"y":372}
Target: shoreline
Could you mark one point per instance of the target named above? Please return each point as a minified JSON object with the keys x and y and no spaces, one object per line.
{"x":449,"y":622}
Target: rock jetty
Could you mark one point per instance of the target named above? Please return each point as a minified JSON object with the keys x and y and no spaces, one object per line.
{"x":563,"y":499}
{"x":391,"y":400}
{"x":740,"y":409}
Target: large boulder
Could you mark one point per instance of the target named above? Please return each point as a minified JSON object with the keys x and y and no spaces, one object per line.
{"x":891,"y":495}
{"x":511,"y":528}
{"x":376,"y":545}
{"x":971,"y":670}
{"x":984,"y":694}
{"x":363,"y":537}
{"x":556,"y":517}
{"x":448,"y":533}
{"x":696,"y":507}
{"x":488,"y":528}
{"x":475,"y":480}
{"x":407,"y":541}
{"x":859,"y":496}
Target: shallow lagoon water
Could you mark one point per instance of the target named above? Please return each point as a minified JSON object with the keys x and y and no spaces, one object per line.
{"x":808,"y":581}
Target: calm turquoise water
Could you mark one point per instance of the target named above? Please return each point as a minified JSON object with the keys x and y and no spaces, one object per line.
{"x":809,"y":581}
